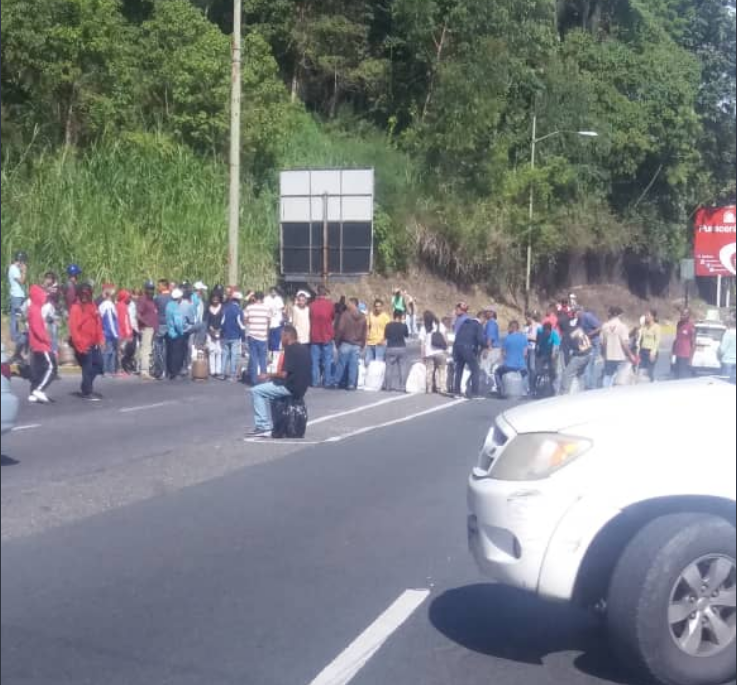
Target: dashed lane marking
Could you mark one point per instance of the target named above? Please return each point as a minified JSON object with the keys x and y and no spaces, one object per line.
{"x":394,"y":422}
{"x":354,"y":657}
{"x":26,"y":427}
{"x":143,"y":407}
{"x":357,"y":410}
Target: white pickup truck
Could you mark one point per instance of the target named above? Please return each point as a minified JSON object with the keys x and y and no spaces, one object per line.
{"x":624,"y":500}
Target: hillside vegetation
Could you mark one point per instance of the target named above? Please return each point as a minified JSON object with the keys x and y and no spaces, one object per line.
{"x":115,"y":124}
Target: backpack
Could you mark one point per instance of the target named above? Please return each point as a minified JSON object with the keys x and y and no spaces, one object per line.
{"x":437,"y":341}
{"x":289,"y":417}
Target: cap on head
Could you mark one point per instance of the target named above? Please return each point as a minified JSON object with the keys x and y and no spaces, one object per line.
{"x":199,"y":285}
{"x":177,"y":294}
{"x":73,"y":270}
{"x":21,"y":257}
{"x":237,"y":295}
{"x":149,"y":285}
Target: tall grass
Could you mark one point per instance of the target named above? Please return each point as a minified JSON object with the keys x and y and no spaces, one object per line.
{"x":142,"y":207}
{"x":145,"y":207}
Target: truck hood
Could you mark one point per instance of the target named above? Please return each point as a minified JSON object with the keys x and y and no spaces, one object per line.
{"x":617,"y":405}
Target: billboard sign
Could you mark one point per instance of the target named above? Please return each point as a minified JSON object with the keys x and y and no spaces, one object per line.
{"x":714,"y":241}
{"x":326,"y":222}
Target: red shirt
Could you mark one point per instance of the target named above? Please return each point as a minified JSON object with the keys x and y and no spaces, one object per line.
{"x":685,"y":336}
{"x":85,"y":326}
{"x":321,"y":321}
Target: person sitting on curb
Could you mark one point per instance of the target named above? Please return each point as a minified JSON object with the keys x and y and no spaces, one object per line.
{"x":292,"y":380}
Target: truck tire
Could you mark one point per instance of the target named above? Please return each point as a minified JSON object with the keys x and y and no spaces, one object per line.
{"x":671,"y":601}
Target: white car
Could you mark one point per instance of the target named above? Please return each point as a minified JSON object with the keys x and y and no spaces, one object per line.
{"x":623,"y":500}
{"x":9,"y":400}
{"x":708,"y":336}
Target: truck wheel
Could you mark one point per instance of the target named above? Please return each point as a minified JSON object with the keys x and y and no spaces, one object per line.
{"x":671,"y":602}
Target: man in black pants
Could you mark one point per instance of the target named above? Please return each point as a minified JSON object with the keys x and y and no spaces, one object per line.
{"x":469,"y":342}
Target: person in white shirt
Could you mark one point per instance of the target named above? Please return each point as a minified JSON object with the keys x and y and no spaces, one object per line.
{"x":301,"y":318}
{"x":275,"y":303}
{"x":17,"y":282}
{"x":434,"y":350}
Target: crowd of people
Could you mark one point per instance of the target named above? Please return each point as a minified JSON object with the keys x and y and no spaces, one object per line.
{"x":161,"y":329}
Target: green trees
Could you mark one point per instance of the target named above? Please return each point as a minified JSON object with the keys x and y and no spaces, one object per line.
{"x":437,"y":94}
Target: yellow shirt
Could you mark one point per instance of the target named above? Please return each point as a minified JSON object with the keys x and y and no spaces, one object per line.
{"x":376,"y":328}
{"x":650,"y":338}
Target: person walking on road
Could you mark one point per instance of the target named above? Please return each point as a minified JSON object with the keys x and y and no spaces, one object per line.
{"x":378,"y":320}
{"x":259,"y":318}
{"x":684,"y":346}
{"x":728,"y":350}
{"x":275,"y":304}
{"x":434,"y":352}
{"x":301,"y":318}
{"x":109,"y":317}
{"x":322,"y":336}
{"x":88,"y":338}
{"x":232,"y":331}
{"x":592,"y":328}
{"x":162,"y":299}
{"x":350,"y":337}
{"x":396,"y":334}
{"x":648,"y":343}
{"x":17,"y":273}
{"x":148,"y":322}
{"x":514,"y":356}
{"x":125,"y":330}
{"x":579,"y":351}
{"x":615,"y":342}
{"x":292,"y":380}
{"x":213,"y":320}
{"x":176,"y":341}
{"x":467,"y":346}
{"x":43,"y":359}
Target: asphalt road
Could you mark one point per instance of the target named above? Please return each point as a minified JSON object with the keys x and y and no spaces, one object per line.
{"x":143,"y":541}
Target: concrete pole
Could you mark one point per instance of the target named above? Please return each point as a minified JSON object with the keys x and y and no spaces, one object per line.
{"x":719,"y":292}
{"x":235,"y":147}
{"x":528,"y":270}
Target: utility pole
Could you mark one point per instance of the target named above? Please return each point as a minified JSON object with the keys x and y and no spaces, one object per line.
{"x":235,"y":147}
{"x":528,"y":271}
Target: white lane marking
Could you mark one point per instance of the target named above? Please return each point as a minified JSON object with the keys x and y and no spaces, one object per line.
{"x":403,"y":419}
{"x":143,"y":407}
{"x":354,"y":657}
{"x":356,"y":410}
{"x":26,"y":427}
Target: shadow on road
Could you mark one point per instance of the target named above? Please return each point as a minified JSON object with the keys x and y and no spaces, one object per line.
{"x":5,"y":460}
{"x":510,"y":624}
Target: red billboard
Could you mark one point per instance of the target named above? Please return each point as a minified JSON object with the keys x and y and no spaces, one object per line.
{"x":714,"y":243}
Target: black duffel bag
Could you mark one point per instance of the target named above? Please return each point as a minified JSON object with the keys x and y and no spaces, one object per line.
{"x":290,"y":418}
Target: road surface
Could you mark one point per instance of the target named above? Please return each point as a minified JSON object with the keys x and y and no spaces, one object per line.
{"x":143,"y":541}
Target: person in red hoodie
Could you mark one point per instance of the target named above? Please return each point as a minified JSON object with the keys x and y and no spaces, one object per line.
{"x":125,"y":329}
{"x":87,"y":336}
{"x":43,"y":362}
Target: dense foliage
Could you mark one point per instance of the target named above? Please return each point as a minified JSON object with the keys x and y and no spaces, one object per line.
{"x":115,"y":125}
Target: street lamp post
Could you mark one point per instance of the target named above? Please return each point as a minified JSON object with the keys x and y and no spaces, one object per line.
{"x":235,"y":147}
{"x":533,"y":143}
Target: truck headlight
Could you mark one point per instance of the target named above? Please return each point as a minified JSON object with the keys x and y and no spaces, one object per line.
{"x":535,"y":456}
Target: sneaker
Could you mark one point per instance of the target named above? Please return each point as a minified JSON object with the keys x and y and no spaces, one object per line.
{"x":258,"y":433}
{"x":33,"y":399}
{"x":89,"y":397}
{"x":41,"y":396}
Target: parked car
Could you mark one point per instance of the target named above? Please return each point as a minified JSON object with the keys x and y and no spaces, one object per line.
{"x":624,"y":500}
{"x":708,"y":336}
{"x":9,"y":400}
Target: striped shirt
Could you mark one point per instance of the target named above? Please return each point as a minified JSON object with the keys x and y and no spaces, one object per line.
{"x":258,"y":316}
